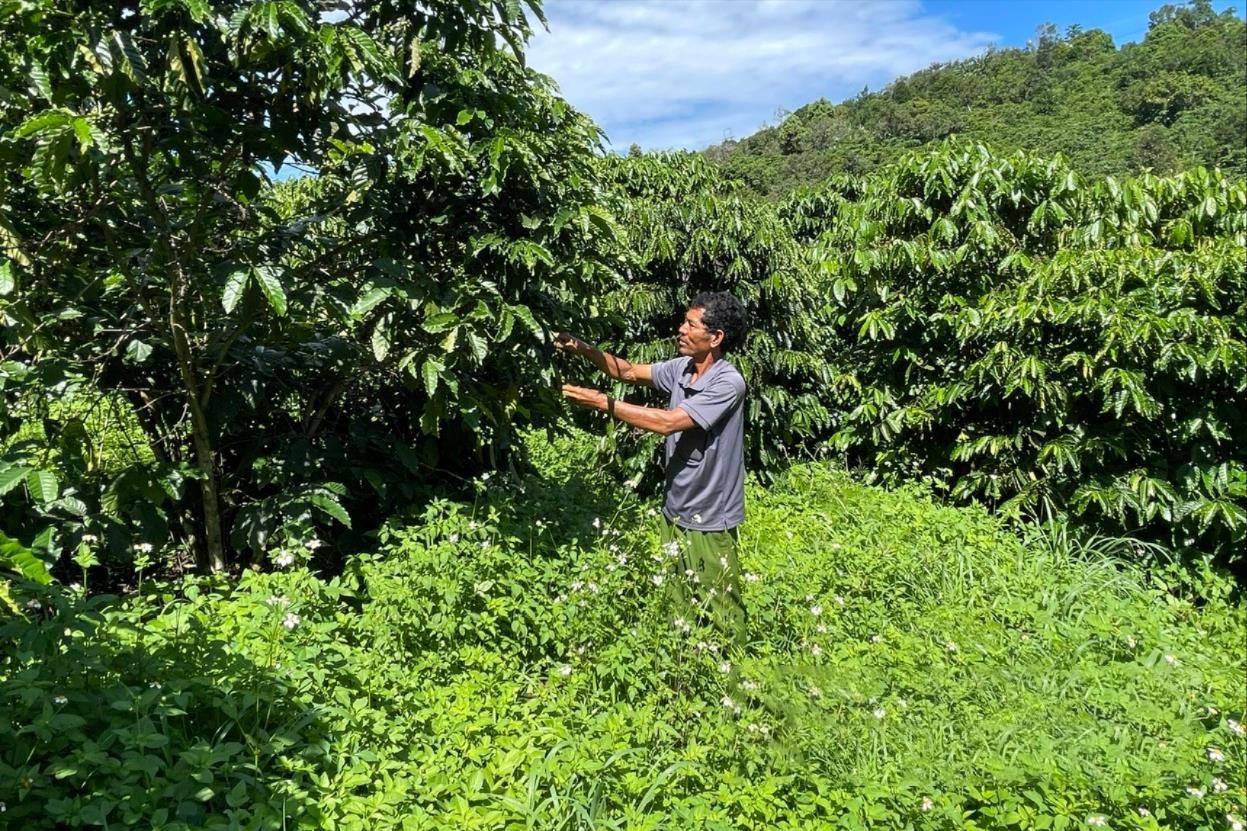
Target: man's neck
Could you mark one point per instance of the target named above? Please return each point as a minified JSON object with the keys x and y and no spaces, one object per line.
{"x":702,"y":364}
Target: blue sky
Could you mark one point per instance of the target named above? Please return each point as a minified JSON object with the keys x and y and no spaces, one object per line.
{"x":689,"y":73}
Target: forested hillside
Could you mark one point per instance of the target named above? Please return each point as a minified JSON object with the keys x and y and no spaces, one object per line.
{"x":1169,"y":102}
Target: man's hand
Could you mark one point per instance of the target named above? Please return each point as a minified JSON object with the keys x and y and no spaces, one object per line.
{"x":564,"y":342}
{"x":585,"y":397}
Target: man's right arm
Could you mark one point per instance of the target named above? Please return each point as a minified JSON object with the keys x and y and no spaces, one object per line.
{"x":615,"y":367}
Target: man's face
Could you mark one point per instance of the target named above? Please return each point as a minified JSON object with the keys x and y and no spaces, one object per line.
{"x":695,"y":340}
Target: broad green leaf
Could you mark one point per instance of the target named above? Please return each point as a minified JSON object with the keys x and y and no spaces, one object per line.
{"x":17,"y":557}
{"x":525,"y":314}
{"x":43,"y":485}
{"x":369,"y":300}
{"x":380,"y":340}
{"x":328,"y":505}
{"x":235,"y":288}
{"x":432,"y":373}
{"x":267,"y":279}
{"x":137,"y":351}
{"x":11,"y":477}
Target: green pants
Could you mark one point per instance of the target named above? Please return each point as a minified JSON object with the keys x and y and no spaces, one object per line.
{"x":705,"y":580}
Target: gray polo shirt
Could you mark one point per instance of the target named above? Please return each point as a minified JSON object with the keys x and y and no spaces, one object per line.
{"x":705,"y":463}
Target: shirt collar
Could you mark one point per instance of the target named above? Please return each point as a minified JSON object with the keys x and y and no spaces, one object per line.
{"x":700,"y":383}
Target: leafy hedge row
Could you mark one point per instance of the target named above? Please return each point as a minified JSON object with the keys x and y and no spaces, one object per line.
{"x":1057,"y":347}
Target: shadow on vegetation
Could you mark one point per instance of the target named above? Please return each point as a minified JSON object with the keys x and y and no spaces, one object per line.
{"x":110,"y":717}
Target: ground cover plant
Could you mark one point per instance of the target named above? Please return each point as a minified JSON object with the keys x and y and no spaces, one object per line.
{"x":506,"y":662}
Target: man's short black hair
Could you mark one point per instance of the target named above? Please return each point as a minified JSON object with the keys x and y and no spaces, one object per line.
{"x":722,"y":312}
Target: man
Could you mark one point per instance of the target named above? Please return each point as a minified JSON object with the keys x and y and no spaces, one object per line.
{"x":704,"y":425}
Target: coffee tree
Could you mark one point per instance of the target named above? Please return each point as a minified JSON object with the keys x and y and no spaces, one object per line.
{"x":1055,"y":347}
{"x":289,"y":354}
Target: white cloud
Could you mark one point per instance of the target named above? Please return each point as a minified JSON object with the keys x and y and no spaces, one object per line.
{"x":687,"y":73}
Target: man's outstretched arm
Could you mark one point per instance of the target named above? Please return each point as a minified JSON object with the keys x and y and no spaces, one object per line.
{"x":662,"y":422}
{"x":614,"y":366}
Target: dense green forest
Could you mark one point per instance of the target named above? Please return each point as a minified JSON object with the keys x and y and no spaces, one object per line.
{"x":1167,"y":103}
{"x":297,"y":530}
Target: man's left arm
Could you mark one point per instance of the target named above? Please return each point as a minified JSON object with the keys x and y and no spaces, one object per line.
{"x":653,"y":419}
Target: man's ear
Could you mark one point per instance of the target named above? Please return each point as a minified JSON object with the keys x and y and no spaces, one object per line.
{"x":717,"y":338}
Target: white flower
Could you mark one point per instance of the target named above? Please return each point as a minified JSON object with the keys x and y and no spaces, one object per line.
{"x":593,"y":587}
{"x":622,"y":559}
{"x":1236,"y":727}
{"x":278,"y":600}
{"x":1219,"y":786}
{"x":90,"y":538}
{"x":1131,"y":642}
{"x":1171,"y":660}
{"x":671,"y":548}
{"x":821,"y":629}
{"x":291,"y":620}
{"x":750,"y":577}
{"x":927,"y":804}
{"x":59,"y":699}
{"x":727,"y":702}
{"x":816,"y":610}
{"x":565,"y":670}
{"x":3,"y":807}
{"x":155,"y":685}
{"x":1097,"y":821}
{"x":1214,"y":754}
{"x":657,"y":578}
{"x":454,"y":538}
{"x":313,"y":544}
{"x":839,"y":600}
{"x":815,"y":692}
{"x":749,"y":685}
{"x":1143,"y":812}
{"x":876,"y":638}
{"x":1198,"y":793}
{"x":652,"y":512}
{"x":723,"y":563}
{"x":285,"y":559}
{"x":682,"y":624}
{"x":577,"y":585}
{"x":816,"y":650}
{"x":950,"y":646}
{"x":697,"y":519}
{"x":143,"y":547}
{"x":75,"y":587}
{"x":34,"y":605}
{"x":1234,"y":822}
{"x":597,"y":522}
{"x":725,"y":667}
{"x":879,"y":713}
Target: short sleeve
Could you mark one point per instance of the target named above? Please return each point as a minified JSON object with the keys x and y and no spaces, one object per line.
{"x":720,"y":397}
{"x":664,"y":374}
